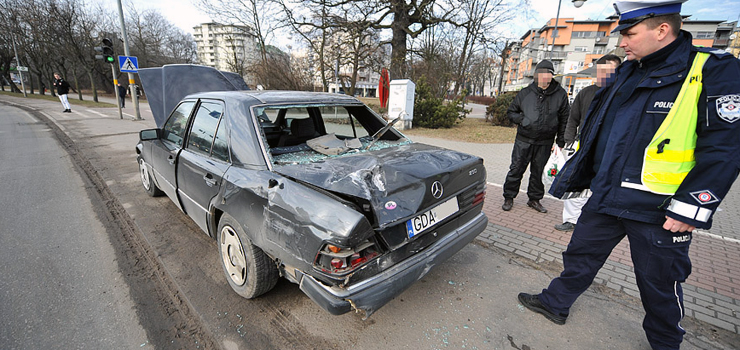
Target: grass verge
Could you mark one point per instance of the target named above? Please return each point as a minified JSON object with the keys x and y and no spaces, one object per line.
{"x":469,"y":130}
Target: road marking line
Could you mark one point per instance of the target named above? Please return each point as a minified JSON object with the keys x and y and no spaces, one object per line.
{"x":712,"y":235}
{"x":98,"y":113}
{"x":547,"y":195}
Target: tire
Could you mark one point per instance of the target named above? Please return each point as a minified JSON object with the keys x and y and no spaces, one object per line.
{"x":249,"y":271}
{"x":146,"y":180}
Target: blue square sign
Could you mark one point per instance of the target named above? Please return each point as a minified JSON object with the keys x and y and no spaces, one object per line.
{"x":128,"y":64}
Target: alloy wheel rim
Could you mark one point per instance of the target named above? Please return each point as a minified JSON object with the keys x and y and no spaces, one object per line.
{"x":232,"y":256}
{"x":144,"y":175}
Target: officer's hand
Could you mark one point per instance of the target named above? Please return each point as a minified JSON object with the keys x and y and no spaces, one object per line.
{"x":674,"y":225}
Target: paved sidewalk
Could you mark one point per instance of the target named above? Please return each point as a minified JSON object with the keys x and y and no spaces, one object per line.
{"x":712,"y":293}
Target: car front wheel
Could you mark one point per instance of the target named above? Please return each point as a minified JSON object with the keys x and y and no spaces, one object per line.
{"x":147,"y":181}
{"x":249,"y":271}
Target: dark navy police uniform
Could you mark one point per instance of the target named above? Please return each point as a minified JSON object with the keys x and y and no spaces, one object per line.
{"x":621,"y":122}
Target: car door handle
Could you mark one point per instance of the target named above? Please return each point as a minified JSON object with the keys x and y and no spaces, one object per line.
{"x":210,"y":181}
{"x":171,"y":160}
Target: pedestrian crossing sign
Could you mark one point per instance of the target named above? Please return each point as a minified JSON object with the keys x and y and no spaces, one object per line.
{"x":128,"y":64}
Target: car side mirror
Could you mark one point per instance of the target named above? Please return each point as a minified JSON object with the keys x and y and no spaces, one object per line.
{"x":149,"y":134}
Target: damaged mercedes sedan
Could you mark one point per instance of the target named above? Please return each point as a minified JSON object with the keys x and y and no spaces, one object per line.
{"x":313,"y":187}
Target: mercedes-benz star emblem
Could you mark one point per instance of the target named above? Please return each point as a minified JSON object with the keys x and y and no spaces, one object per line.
{"x":437,"y":189}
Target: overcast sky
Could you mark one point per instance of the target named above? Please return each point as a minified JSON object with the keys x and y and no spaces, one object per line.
{"x":185,"y":15}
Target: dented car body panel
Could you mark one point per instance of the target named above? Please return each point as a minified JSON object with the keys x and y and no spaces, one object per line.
{"x":355,"y":226}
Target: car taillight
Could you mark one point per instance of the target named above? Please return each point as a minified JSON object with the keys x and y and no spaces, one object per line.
{"x":337,"y":260}
{"x":338,"y":263}
{"x":479,"y":197}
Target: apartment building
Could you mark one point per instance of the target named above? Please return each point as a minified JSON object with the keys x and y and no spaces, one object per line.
{"x":573,"y":46}
{"x":226,"y":47}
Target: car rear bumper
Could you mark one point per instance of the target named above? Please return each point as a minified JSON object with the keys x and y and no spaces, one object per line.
{"x":371,"y":294}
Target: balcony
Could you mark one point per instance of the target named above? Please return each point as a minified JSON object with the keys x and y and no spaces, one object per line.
{"x":721,"y":42}
{"x":556,"y":55}
{"x":726,"y":26}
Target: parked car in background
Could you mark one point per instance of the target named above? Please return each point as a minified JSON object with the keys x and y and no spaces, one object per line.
{"x":313,"y":187}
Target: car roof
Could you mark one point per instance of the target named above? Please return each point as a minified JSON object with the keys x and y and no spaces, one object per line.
{"x":280,"y":97}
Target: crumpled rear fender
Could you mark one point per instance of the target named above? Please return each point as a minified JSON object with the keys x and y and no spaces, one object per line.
{"x":371,"y":294}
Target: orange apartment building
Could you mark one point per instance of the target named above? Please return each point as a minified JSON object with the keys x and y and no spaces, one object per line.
{"x":579,"y":43}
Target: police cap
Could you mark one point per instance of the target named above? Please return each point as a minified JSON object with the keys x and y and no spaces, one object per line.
{"x":632,"y":12}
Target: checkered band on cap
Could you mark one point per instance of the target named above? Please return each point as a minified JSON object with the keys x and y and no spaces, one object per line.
{"x":632,"y":12}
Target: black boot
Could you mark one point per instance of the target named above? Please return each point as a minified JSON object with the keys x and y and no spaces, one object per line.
{"x":535,"y":204}
{"x":508,"y":203}
{"x":533,"y":303}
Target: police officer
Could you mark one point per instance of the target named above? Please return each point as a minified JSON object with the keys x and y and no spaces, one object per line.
{"x":658,"y":151}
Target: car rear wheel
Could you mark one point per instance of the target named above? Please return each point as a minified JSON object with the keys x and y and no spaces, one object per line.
{"x":147,"y":181}
{"x":249,"y":271}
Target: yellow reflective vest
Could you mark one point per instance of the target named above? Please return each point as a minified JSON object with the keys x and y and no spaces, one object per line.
{"x":670,"y":155}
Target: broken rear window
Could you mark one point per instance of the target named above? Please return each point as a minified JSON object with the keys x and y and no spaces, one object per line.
{"x":310,"y":133}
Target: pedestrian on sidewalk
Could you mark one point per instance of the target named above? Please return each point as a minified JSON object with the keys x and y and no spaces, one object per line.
{"x":605,"y":68}
{"x":62,"y":91}
{"x":540,"y":112}
{"x":121,"y":94}
{"x":658,"y":152}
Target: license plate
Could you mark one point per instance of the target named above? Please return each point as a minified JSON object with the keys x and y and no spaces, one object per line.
{"x":425,"y":220}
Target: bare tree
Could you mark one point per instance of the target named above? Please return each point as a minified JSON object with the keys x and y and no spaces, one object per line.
{"x":9,"y":10}
{"x":315,"y":27}
{"x":156,"y":41}
{"x":278,"y":72}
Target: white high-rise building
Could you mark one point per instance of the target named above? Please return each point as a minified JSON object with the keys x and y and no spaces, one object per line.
{"x":226,"y":47}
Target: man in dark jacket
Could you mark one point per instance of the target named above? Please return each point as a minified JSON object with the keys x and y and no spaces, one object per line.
{"x":62,"y":91}
{"x":605,"y":68}
{"x":540,"y":111}
{"x":121,"y":94}
{"x":658,"y":152}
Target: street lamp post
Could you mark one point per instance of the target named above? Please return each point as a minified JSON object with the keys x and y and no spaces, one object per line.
{"x":577,"y":4}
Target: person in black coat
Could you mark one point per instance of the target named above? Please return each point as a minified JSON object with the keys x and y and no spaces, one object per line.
{"x":62,"y":91}
{"x":541,"y":112}
{"x":121,"y":94}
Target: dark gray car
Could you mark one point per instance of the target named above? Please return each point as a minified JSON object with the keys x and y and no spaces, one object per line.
{"x":313,"y":187}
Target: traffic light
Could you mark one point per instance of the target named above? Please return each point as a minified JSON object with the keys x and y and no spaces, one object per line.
{"x":106,"y":50}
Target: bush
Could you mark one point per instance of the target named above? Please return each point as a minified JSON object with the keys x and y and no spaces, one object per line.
{"x":482,"y":100}
{"x":432,"y":112}
{"x":496,"y":112}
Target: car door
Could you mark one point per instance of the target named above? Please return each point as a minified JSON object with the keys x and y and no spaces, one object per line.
{"x":166,"y":150}
{"x":203,"y":161}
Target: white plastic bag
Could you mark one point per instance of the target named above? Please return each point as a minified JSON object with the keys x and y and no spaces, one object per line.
{"x":553,"y":166}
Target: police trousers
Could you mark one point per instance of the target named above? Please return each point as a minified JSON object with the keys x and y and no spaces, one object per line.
{"x":522,"y":155}
{"x":661,"y":262}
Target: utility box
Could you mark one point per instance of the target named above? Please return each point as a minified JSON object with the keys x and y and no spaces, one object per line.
{"x":401,"y":102}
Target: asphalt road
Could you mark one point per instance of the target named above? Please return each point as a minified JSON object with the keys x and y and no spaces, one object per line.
{"x":60,"y":286}
{"x":72,"y":274}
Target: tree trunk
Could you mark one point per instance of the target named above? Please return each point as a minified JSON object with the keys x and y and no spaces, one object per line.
{"x":401,"y":22}
{"x":42,"y":87}
{"x":92,"y":84}
{"x":77,"y":83}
